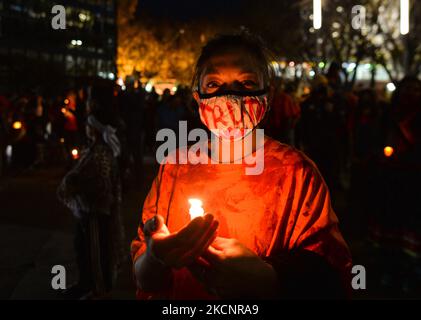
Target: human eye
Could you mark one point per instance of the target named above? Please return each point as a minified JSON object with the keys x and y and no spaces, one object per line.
{"x":249,"y":83}
{"x":212,"y":84}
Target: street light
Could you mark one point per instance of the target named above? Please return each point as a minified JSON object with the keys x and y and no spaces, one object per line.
{"x":404,"y":19}
{"x":317,"y":14}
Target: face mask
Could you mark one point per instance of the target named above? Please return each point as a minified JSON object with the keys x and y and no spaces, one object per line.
{"x":232,"y":115}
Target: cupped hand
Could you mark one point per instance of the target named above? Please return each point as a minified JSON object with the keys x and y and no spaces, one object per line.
{"x":181,"y":248}
{"x":232,"y":271}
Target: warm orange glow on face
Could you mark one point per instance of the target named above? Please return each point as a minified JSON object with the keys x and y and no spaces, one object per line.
{"x":196,"y":209}
{"x":66,"y":101}
{"x":17,"y":125}
{"x":388,"y":151}
{"x":75,"y":154}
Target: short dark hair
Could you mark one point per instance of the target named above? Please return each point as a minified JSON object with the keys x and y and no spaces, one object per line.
{"x":244,"y":41}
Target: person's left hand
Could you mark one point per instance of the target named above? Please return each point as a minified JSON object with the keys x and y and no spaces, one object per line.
{"x":232,"y":271}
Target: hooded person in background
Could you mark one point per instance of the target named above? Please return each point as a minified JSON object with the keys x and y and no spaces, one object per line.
{"x":92,"y":191}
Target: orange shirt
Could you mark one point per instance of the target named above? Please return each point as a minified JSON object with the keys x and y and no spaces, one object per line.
{"x":286,"y":207}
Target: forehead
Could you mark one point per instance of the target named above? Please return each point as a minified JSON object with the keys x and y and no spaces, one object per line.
{"x":234,"y":61}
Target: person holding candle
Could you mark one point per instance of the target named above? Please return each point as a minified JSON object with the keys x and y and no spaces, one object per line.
{"x":264,"y":236}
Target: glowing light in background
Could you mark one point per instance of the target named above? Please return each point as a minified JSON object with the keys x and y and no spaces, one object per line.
{"x":317,"y":14}
{"x":351,"y":67}
{"x":75,"y":154}
{"x":148,"y":87}
{"x":83,"y":17}
{"x":404,"y":19}
{"x":120,"y":82}
{"x":76,"y":42}
{"x":391,"y":87}
{"x":388,"y":151}
{"x":9,"y":152}
{"x":17,"y":125}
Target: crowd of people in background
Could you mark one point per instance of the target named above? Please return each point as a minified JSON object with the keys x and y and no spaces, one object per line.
{"x":363,"y":142}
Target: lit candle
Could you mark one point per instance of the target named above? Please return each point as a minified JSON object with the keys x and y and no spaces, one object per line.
{"x":388,"y":151}
{"x":75,"y":154}
{"x":17,"y":125}
{"x":196,"y":209}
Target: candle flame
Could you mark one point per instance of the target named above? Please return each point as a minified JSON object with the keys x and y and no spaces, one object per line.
{"x":196,"y":209}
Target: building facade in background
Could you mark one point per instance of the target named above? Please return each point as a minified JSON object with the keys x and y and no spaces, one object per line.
{"x":33,"y":54}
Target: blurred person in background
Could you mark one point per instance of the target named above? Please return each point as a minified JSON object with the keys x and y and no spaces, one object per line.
{"x":71,"y":125}
{"x":396,"y":220}
{"x":283,"y":116}
{"x":343,"y":101}
{"x":92,"y":191}
{"x":5,"y":106}
{"x":171,"y":110}
{"x":81,"y":113}
{"x":317,"y":130}
{"x":132,"y":105}
{"x":366,"y":140}
{"x":151,"y":104}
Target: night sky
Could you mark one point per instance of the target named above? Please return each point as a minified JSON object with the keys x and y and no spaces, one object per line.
{"x":187,"y":10}
{"x":273,"y":20}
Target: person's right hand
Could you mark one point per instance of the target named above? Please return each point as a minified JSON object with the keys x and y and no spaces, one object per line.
{"x":177,"y":250}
